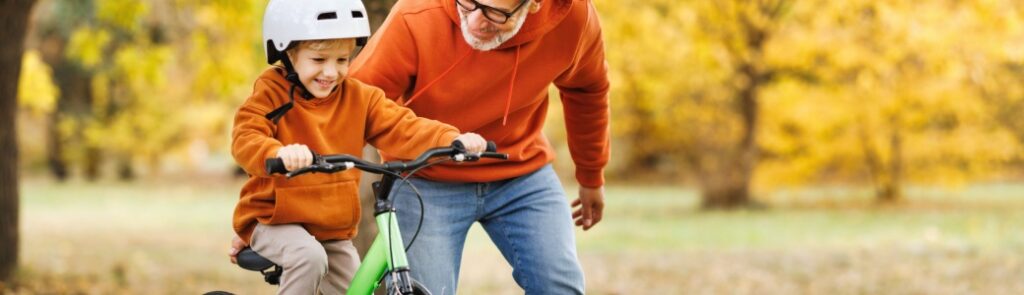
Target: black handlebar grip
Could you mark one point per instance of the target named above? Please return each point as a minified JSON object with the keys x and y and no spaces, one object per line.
{"x":491,"y":147}
{"x":249,"y":259}
{"x":275,"y":166}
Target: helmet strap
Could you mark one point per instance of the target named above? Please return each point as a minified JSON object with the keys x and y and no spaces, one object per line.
{"x":292,"y":77}
{"x":276,"y":114}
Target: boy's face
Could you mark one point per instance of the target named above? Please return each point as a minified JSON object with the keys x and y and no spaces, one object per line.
{"x":321,"y":70}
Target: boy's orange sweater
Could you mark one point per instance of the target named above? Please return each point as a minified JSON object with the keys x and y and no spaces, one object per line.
{"x":327,"y":205}
{"x":420,"y":57}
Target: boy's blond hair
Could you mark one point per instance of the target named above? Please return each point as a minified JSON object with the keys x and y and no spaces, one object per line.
{"x":321,"y":44}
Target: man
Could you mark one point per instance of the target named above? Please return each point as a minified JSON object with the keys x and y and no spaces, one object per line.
{"x":484,"y":66}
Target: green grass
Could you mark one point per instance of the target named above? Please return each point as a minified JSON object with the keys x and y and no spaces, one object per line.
{"x":659,"y":219}
{"x":130,"y":238}
{"x":163,"y":238}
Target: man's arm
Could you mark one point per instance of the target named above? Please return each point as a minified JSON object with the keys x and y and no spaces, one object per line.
{"x":397,"y":131}
{"x":389,"y":59}
{"x":584,"y":91}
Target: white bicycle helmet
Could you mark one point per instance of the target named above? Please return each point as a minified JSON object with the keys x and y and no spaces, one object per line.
{"x":286,"y":21}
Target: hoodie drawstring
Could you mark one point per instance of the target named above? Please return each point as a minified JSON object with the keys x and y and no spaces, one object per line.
{"x":417,"y":94}
{"x":511,"y":84}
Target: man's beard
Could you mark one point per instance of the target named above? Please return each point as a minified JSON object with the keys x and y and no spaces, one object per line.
{"x":497,"y":40}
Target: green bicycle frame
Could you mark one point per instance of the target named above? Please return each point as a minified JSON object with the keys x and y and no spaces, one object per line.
{"x":386,"y":253}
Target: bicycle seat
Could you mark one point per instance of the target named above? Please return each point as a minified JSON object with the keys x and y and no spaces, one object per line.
{"x":249,"y":259}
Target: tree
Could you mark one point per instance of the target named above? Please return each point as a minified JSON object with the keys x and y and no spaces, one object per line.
{"x":693,"y":73}
{"x":743,"y":29}
{"x":127,"y":72}
{"x":52,"y":31}
{"x":14,"y":15}
{"x":735,"y":95}
{"x":895,"y":98}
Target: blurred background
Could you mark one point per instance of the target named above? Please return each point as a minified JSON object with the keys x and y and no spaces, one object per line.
{"x":759,"y":147}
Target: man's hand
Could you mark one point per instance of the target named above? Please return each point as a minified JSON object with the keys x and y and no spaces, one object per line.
{"x":236,"y":245}
{"x":590,"y":207}
{"x":473,"y":142}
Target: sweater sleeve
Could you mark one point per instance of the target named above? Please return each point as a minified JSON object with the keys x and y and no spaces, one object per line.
{"x":584,"y":92}
{"x":252,"y":137}
{"x":389,"y":59}
{"x":397,"y":131}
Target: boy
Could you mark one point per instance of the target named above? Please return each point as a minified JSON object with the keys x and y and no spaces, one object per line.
{"x":305,"y":224}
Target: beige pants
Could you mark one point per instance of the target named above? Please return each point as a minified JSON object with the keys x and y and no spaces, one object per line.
{"x":306,"y":261}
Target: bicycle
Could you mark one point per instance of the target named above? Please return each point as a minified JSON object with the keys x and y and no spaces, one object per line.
{"x":387,"y":254}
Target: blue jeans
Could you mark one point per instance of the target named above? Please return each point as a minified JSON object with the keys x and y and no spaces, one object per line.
{"x":527,"y":218}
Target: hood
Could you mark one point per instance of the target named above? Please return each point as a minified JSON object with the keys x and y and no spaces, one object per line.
{"x":551,"y":13}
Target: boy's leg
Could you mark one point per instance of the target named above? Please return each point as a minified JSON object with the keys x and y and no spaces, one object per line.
{"x":529,"y":219}
{"x":342,"y":262}
{"x":436,"y":253}
{"x":302,"y":257}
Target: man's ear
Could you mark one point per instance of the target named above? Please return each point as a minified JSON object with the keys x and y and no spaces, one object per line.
{"x":534,"y":6}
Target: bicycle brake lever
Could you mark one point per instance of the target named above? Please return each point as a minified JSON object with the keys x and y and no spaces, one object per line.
{"x":299,"y":171}
{"x":318,"y":159}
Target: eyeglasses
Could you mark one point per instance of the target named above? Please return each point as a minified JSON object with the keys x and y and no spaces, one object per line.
{"x":495,"y":15}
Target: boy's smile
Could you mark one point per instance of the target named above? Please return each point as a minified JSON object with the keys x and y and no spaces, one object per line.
{"x":324,"y":83}
{"x":321,"y":69}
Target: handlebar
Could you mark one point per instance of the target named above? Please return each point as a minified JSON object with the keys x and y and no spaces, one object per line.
{"x":341,"y":162}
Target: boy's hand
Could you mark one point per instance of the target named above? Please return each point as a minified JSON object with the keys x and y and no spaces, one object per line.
{"x":473,"y":142}
{"x":237,"y":244}
{"x":295,"y":156}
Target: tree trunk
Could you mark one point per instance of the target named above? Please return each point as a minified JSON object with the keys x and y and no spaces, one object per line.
{"x":55,"y":148}
{"x":125,"y":169}
{"x":728,"y":186}
{"x":748,"y":144}
{"x":367,"y":223}
{"x":746,"y":48}
{"x":14,"y":16}
{"x":891,"y":190}
{"x":92,"y":163}
{"x":726,"y":195}
{"x":75,"y":101}
{"x":377,"y":11}
{"x":887,"y":178}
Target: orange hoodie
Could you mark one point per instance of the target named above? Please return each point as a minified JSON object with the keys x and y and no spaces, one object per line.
{"x":327,"y":205}
{"x":420,"y":57}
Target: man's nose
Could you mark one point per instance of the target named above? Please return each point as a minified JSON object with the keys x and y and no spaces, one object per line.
{"x":477,"y":19}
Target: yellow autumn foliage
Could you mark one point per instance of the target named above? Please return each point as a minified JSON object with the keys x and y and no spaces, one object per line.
{"x":36,"y":92}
